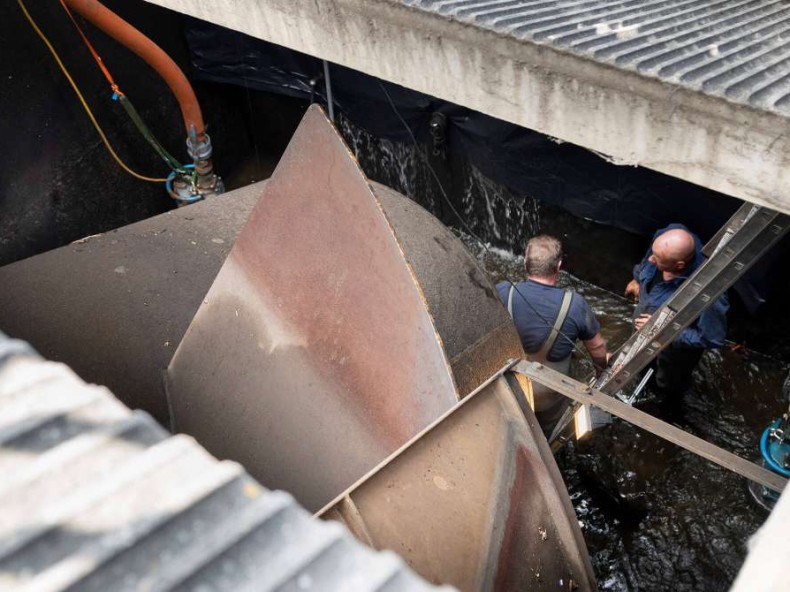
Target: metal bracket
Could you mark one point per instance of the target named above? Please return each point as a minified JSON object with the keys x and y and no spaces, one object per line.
{"x":581,"y":393}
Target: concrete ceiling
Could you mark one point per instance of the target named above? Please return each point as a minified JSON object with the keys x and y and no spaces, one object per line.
{"x":691,"y":88}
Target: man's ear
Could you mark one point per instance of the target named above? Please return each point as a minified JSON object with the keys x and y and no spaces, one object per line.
{"x":680,"y":265}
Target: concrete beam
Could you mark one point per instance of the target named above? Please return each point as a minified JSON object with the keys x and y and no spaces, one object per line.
{"x":631,"y":118}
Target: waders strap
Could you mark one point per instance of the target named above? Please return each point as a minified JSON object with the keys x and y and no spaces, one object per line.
{"x":555,"y":330}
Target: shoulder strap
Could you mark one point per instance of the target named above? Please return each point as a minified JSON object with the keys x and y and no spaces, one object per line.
{"x":555,"y":330}
{"x":510,"y":301}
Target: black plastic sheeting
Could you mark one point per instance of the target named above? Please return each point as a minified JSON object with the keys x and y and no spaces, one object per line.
{"x":526,"y":162}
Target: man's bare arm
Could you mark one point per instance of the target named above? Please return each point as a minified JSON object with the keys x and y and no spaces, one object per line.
{"x":632,"y":289}
{"x":597,"y":348}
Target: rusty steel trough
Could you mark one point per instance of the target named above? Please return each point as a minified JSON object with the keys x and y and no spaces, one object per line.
{"x":316,"y":352}
{"x":475,"y":501}
{"x":345,"y":321}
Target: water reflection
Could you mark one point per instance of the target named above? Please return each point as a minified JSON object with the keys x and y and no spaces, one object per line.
{"x":654,"y":516}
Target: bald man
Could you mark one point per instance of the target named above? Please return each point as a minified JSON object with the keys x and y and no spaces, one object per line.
{"x":673,"y":256}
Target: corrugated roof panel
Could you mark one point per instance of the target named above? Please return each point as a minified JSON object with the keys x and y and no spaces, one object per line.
{"x":96,"y":497}
{"x":732,"y":49}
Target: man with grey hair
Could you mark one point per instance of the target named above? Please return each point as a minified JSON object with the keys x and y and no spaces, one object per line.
{"x":549,"y":321}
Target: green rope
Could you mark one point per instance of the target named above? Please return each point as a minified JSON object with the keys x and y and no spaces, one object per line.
{"x":171,"y":161}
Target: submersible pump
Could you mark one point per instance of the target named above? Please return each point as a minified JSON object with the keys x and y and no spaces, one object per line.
{"x":774,"y":453}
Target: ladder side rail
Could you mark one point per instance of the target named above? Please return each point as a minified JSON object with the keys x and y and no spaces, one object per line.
{"x":729,"y":228}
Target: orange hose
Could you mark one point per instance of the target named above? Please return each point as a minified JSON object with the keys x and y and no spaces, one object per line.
{"x":126,"y":34}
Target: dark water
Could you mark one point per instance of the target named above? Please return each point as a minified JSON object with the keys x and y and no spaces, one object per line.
{"x":654,"y":516}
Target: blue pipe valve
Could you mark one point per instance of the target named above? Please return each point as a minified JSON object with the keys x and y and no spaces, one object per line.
{"x":182,"y":188}
{"x":775,"y":446}
{"x":775,"y":452}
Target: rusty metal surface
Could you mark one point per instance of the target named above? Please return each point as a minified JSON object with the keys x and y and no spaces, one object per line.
{"x":98,"y":498}
{"x":478,"y":361}
{"x":475,"y":501}
{"x":115,"y":306}
{"x":312,"y":356}
{"x":477,"y":333}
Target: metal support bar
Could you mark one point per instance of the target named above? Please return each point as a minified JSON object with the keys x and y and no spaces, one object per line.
{"x":754,"y":231}
{"x":746,"y":211}
{"x":330,"y":102}
{"x":581,"y":393}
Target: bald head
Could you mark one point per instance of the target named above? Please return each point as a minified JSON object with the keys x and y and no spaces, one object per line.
{"x":674,"y":250}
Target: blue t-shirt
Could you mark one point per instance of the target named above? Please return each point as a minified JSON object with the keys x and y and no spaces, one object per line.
{"x":535,"y":318}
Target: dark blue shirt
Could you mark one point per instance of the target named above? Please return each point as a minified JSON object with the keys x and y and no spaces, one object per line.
{"x":710,"y":329}
{"x":535,"y":318}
